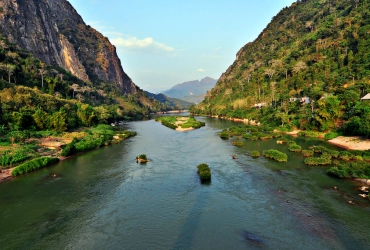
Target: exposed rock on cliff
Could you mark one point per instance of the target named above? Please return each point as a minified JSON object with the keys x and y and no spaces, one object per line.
{"x":55,"y":33}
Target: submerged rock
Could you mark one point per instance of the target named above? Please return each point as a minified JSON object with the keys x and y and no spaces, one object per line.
{"x":252,"y":238}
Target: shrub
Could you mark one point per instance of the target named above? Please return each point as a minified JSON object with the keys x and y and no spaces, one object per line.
{"x":247,"y":136}
{"x":294,"y":148}
{"x":331,"y":135}
{"x":224,"y":135}
{"x":319,"y":149}
{"x":333,"y":153}
{"x":142,"y":156}
{"x":33,"y":165}
{"x":307,"y":153}
{"x":204,"y":172}
{"x":237,"y":130}
{"x":237,"y":143}
{"x":351,"y":170}
{"x":193,"y":123}
{"x":89,"y":142}
{"x":276,"y":155}
{"x":324,"y":159}
{"x":255,"y":154}
{"x":69,"y":149}
{"x":13,"y":157}
{"x":345,"y":155}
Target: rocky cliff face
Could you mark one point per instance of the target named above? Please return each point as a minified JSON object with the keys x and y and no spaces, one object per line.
{"x":55,"y":33}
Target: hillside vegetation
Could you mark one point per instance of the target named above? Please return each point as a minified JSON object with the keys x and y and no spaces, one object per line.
{"x":307,"y":69}
{"x":35,"y":96}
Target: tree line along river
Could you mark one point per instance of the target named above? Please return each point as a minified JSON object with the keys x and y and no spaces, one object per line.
{"x":105,"y":200}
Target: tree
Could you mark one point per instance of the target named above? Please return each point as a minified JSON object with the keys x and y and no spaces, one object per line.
{"x":270,"y":72}
{"x":228,"y":92}
{"x":58,"y":121}
{"x":328,"y":111}
{"x":299,"y":66}
{"x":248,"y":76}
{"x":75,"y":87}
{"x":42,"y":72}
{"x":40,"y":117}
{"x":356,"y":2}
{"x":9,"y":68}
{"x":310,"y":25}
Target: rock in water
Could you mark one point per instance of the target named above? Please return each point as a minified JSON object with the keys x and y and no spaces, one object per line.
{"x":252,"y":238}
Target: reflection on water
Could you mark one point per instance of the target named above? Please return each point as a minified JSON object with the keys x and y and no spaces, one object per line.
{"x":105,"y":200}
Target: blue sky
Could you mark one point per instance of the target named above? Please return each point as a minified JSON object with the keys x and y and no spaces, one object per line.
{"x":165,"y":42}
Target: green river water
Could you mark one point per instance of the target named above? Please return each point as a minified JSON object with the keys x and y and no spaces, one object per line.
{"x":103,"y":199}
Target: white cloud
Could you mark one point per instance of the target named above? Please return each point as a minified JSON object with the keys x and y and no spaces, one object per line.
{"x":134,"y":43}
{"x":201,"y":70}
{"x":218,"y":48}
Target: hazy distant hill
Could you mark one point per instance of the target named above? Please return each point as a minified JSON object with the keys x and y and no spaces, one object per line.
{"x":192,"y":89}
{"x":169,"y":101}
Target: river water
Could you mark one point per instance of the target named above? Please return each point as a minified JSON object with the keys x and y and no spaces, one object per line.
{"x":103,"y":199}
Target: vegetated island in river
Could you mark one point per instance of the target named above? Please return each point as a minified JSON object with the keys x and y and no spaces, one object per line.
{"x":180,"y":123}
{"x":25,"y":151}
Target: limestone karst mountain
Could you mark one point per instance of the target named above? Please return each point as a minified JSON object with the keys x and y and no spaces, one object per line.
{"x":56,"y":34}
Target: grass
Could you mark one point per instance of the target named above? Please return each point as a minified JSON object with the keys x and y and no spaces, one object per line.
{"x":255,"y":154}
{"x":33,"y":165}
{"x":184,"y":122}
{"x":275,"y":155}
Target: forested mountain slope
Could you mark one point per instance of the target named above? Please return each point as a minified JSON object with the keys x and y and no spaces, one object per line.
{"x":56,"y":34}
{"x":307,"y":69}
{"x":38,"y":91}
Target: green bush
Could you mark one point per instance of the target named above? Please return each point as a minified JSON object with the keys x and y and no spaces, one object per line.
{"x":331,"y":135}
{"x":247,"y":136}
{"x":204,"y":172}
{"x":276,"y":155}
{"x":324,"y":159}
{"x":333,"y":153}
{"x":237,"y":143}
{"x":142,"y":156}
{"x":345,"y":155}
{"x":295,"y":148}
{"x":255,"y":154}
{"x":308,"y":153}
{"x":319,"y":149}
{"x":33,"y":165}
{"x":13,"y":157}
{"x":351,"y":170}
{"x":69,"y":149}
{"x":89,"y":142}
{"x":224,"y":135}
{"x":193,"y":123}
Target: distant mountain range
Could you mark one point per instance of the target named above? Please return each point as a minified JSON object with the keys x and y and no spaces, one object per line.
{"x":193,"y":91}
{"x":173,"y":103}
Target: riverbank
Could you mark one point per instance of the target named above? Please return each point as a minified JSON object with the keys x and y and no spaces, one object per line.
{"x":346,"y":142}
{"x":351,"y":142}
{"x":61,"y":146}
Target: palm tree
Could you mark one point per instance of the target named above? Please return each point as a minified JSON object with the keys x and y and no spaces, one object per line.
{"x":42,"y":71}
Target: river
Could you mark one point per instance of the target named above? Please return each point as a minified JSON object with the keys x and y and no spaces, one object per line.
{"x":103,"y":199}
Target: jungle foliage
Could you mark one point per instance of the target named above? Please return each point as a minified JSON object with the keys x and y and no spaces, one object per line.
{"x":307,"y":69}
{"x":36,"y":96}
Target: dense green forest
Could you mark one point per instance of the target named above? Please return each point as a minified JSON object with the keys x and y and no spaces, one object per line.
{"x":35,"y":96}
{"x":308,"y":69}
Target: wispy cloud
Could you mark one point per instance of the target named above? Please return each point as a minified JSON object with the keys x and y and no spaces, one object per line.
{"x":218,"y":48}
{"x":201,"y":70}
{"x":147,"y":44}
